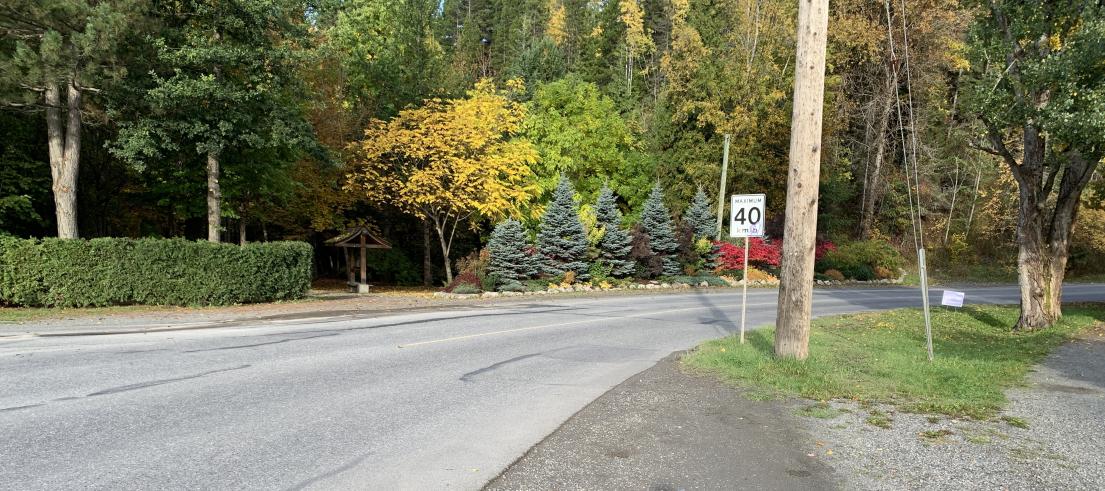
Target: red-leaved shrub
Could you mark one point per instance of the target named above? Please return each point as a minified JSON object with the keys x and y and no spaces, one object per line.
{"x":469,"y":279}
{"x":823,"y":246}
{"x":761,"y":254}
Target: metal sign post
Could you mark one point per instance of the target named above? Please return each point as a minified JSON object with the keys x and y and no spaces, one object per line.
{"x":923,"y":272}
{"x":746,"y":220}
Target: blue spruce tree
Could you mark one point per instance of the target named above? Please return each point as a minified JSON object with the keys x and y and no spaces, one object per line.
{"x":656,"y":222}
{"x":507,"y":248}
{"x":699,"y":217}
{"x":561,"y":240}
{"x":614,"y":246}
{"x":704,"y":225}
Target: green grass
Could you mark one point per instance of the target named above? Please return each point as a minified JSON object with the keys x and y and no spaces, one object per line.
{"x":880,"y":358}
{"x":820,"y":410}
{"x":1015,"y":422}
{"x":936,"y":436}
{"x":880,"y":419}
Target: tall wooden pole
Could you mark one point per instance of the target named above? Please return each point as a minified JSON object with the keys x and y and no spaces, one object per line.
{"x":721,"y":185}
{"x":792,"y":324}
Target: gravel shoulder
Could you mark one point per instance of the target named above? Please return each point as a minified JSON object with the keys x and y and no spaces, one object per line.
{"x":667,"y":429}
{"x":1049,"y":437}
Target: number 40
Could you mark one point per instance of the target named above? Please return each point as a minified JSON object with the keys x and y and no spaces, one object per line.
{"x":748,"y":215}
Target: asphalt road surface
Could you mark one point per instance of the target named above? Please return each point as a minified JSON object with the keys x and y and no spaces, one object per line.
{"x":428,"y":400}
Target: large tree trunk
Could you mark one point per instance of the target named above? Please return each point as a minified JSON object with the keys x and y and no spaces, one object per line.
{"x":1043,"y":234}
{"x":1034,"y":264}
{"x":792,"y":325}
{"x":65,"y":152}
{"x":241,"y":230}
{"x":1035,"y":269}
{"x":214,"y":198}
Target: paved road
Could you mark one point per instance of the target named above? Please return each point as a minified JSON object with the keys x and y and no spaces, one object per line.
{"x":428,"y":400}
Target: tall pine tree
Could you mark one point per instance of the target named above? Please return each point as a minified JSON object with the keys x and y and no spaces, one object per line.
{"x":656,"y":222}
{"x":507,"y":247}
{"x":561,"y":240}
{"x":614,"y":246}
{"x":699,"y":217}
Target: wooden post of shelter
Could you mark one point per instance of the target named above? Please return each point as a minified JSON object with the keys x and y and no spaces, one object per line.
{"x":363,"y":239}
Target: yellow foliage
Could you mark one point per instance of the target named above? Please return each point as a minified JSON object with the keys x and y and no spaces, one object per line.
{"x":637,"y":40}
{"x":834,"y":275}
{"x":557,"y":28}
{"x":757,"y":275}
{"x":569,"y":278}
{"x":884,"y":274}
{"x":450,"y":159}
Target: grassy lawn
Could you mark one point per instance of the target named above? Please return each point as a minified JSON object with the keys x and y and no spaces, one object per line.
{"x":880,"y":357}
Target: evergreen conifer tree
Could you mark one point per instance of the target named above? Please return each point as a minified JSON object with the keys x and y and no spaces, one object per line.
{"x":507,"y":247}
{"x":614,"y":246}
{"x":699,"y":217}
{"x":656,"y":222}
{"x":704,"y":225}
{"x":561,"y":240}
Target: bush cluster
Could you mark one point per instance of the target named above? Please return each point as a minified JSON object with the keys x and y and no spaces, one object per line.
{"x":862,"y":260}
{"x":113,"y":271}
{"x":762,"y":254}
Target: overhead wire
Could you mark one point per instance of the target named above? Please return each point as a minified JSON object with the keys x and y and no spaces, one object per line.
{"x":914,"y":215}
{"x":912,"y":127}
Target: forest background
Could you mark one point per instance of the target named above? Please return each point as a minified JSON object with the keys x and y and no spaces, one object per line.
{"x":284,"y":98}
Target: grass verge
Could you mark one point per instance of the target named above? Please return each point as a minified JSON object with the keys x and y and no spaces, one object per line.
{"x":23,"y":314}
{"x":880,"y":358}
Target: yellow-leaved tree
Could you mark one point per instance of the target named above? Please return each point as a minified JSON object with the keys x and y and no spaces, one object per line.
{"x":450,"y":161}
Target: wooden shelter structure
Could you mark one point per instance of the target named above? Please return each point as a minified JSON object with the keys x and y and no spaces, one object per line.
{"x":363,"y":239}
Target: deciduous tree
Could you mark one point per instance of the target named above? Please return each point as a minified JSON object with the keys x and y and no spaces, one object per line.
{"x":1038,"y":88}
{"x":450,"y":161}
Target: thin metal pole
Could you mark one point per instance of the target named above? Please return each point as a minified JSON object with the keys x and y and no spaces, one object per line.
{"x":744,"y":294}
{"x":721,"y":187}
{"x":923,"y":270}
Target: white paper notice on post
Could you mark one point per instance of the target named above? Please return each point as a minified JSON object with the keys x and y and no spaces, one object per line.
{"x":952,"y":298}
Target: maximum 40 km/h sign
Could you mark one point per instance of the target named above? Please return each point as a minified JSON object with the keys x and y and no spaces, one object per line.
{"x":746,"y":215}
{"x":746,"y":219}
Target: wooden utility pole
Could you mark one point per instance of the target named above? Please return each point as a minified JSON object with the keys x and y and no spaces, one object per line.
{"x":721,"y":185}
{"x":792,"y":324}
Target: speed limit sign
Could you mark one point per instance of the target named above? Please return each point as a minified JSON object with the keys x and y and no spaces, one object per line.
{"x":746,"y":215}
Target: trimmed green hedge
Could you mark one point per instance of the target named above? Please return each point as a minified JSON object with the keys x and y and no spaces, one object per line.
{"x":110,"y":271}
